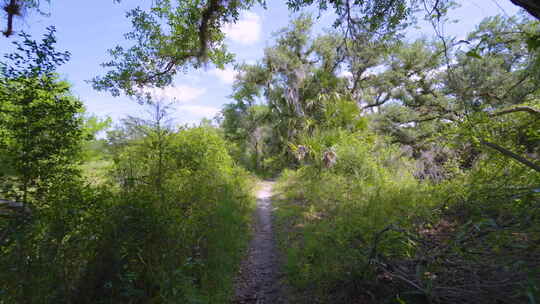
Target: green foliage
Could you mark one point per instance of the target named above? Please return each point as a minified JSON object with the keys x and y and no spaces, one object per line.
{"x":96,"y":171}
{"x":40,"y":122}
{"x":359,"y":221}
{"x":184,"y":186}
{"x":366,"y":226}
{"x":166,"y":221}
{"x":171,"y":36}
{"x":298,"y":78}
{"x":243,"y":127}
{"x":329,"y":218}
{"x":40,"y":139}
{"x":45,"y":254}
{"x":201,"y":199}
{"x":378,"y":16}
{"x":93,"y":148}
{"x":415,"y":171}
{"x":178,"y":241}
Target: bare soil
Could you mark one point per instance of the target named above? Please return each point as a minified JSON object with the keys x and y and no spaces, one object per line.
{"x":259,"y":280}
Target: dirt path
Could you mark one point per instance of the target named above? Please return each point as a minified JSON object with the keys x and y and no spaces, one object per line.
{"x":259,"y":278}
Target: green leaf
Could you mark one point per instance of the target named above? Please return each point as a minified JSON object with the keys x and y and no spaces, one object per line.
{"x":533,"y":42}
{"x":473,"y":54}
{"x":400,"y":301}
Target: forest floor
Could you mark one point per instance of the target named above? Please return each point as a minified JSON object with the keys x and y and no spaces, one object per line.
{"x":259,"y":279}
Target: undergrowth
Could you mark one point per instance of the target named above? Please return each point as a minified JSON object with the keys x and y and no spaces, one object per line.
{"x":179,"y":241}
{"x":367,"y":230}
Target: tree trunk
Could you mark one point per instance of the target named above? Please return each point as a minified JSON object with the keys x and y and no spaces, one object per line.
{"x":531,"y":6}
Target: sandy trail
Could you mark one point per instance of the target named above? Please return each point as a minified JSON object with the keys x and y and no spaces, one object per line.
{"x":259,"y":277}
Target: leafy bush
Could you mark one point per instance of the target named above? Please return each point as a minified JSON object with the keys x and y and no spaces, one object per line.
{"x":365,"y":229}
{"x":178,"y":225}
{"x":331,"y":217}
{"x":45,"y":252}
{"x":179,"y":241}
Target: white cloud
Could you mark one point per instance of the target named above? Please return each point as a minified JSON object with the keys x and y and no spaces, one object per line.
{"x":182,"y":93}
{"x":227,"y":75}
{"x":198,"y":111}
{"x":247,"y":30}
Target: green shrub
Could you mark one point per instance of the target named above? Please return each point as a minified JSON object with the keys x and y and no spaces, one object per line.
{"x":177,"y":242}
{"x":365,"y":228}
{"x":181,"y":239}
{"x":330,"y":217}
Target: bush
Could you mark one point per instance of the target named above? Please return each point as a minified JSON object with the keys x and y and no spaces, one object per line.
{"x":180,"y":242}
{"x":331,"y":217}
{"x":366,"y":230}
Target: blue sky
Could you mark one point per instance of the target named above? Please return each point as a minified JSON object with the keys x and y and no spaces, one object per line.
{"x":88,"y":28}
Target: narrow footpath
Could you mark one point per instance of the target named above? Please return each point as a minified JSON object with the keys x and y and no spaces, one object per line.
{"x":259,"y":278}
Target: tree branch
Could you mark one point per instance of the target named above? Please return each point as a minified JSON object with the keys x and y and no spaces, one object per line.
{"x":209,"y":15}
{"x":512,"y":155}
{"x":531,"y":6}
{"x":527,"y":109}
{"x":12,"y":9}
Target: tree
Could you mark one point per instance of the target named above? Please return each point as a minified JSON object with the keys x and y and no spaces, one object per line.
{"x":17,"y":8}
{"x":302,"y":91}
{"x":41,"y":121}
{"x":170,"y":38}
{"x":474,"y":90}
{"x":373,"y":14}
{"x":93,"y":148}
{"x":141,"y":150}
{"x":530,"y":6}
{"x":40,"y":139}
{"x":247,"y":127}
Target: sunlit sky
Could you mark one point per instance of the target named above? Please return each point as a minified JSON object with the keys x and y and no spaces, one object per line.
{"x":88,"y":28}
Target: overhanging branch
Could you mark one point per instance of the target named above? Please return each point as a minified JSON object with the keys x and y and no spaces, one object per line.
{"x":512,"y":155}
{"x":531,"y":6}
{"x":527,"y":109}
{"x":209,"y":15}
